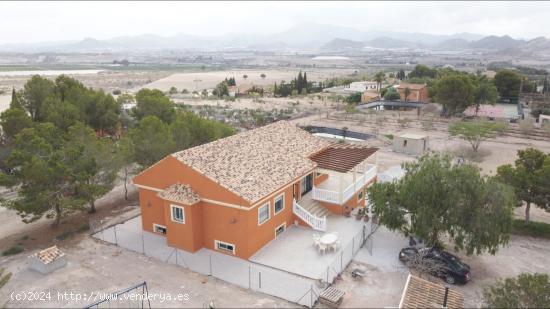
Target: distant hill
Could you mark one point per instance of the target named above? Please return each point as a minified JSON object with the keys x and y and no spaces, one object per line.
{"x":342,"y":44}
{"x":497,"y":43}
{"x":387,"y":42}
{"x":453,"y":44}
{"x":303,"y":36}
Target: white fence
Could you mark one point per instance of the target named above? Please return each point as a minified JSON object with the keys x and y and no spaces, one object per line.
{"x":336,"y":197}
{"x":246,"y":274}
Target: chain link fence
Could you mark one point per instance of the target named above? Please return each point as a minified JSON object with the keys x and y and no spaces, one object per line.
{"x":294,"y":288}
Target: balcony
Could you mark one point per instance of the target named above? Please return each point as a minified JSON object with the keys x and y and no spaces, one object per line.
{"x":340,"y":187}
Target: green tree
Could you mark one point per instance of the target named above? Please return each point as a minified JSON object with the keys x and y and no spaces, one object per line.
{"x":476,"y":132}
{"x":44,"y":169}
{"x":407,"y":93}
{"x":61,"y":113}
{"x":523,"y":291}
{"x":422,"y":71}
{"x":455,"y":92}
{"x":13,"y":120}
{"x":97,"y":168}
{"x":152,"y":140}
{"x":125,"y":157}
{"x":15,"y":99}
{"x":354,"y":98}
{"x":400,"y":75}
{"x":508,"y":83}
{"x":485,"y":93}
{"x":153,"y":102}
{"x":379,"y":78}
{"x":529,"y":178}
{"x":263,"y":76}
{"x":391,"y":94}
{"x":173,"y":90}
{"x":436,"y":198}
{"x":34,"y":94}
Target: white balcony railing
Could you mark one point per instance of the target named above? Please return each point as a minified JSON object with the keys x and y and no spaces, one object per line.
{"x":315,"y":222}
{"x":336,"y":197}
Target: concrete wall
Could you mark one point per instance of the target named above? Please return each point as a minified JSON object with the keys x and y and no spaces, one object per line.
{"x":409,"y":145}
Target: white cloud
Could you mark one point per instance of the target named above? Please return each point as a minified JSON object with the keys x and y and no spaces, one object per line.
{"x":46,"y":21}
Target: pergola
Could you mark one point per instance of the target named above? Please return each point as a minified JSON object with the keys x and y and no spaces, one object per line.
{"x":347,"y":166}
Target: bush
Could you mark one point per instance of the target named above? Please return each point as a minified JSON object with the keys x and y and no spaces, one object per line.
{"x":389,"y":136}
{"x":524,"y":291}
{"x":13,"y":250}
{"x":4,"y":277}
{"x":533,"y":229}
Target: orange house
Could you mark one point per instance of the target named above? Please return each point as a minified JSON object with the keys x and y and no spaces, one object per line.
{"x":418,"y":92}
{"x":236,"y":194}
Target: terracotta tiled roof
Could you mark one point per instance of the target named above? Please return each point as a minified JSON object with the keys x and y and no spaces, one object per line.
{"x":411,"y":86}
{"x":49,"y":255}
{"x":420,"y":293}
{"x":180,"y":193}
{"x":255,"y":163}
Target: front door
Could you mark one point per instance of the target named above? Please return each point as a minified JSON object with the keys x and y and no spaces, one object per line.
{"x":306,"y":184}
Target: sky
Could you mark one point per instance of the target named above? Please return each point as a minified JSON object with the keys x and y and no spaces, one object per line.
{"x":27,"y":22}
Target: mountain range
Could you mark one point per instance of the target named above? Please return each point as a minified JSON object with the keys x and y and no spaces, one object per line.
{"x":303,"y":36}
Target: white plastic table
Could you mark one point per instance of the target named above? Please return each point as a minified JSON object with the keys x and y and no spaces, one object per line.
{"x":328,"y":239}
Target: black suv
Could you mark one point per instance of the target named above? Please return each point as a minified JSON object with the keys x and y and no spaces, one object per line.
{"x":439,"y":263}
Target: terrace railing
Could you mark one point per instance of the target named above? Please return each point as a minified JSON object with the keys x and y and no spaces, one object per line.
{"x":339,"y":198}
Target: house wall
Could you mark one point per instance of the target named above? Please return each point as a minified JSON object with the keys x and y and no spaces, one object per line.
{"x":189,"y":235}
{"x":208,"y":221}
{"x":416,"y":95}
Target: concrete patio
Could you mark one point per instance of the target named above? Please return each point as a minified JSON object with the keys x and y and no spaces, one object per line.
{"x":294,"y":251}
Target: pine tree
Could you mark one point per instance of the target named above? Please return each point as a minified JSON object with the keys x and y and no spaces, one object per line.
{"x":14,"y":100}
{"x":299,"y":82}
{"x":275,"y":92}
{"x":306,"y":84}
{"x":546,"y":85}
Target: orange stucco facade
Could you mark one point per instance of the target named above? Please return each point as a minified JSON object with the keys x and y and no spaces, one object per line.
{"x":220,"y":215}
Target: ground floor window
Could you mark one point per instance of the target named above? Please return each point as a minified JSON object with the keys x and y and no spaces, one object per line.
{"x":280,"y":229}
{"x":161,"y":229}
{"x":224,"y":246}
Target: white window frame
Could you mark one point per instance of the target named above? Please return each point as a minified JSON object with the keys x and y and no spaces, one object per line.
{"x":218,"y":242}
{"x":172,"y":206}
{"x":161,"y":226}
{"x":268,"y":205}
{"x":275,"y":230}
{"x":282,"y":197}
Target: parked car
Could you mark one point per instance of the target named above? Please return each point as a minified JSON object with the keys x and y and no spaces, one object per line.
{"x":439,"y":263}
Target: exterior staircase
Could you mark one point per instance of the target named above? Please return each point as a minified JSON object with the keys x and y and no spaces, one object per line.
{"x":315,"y":208}
{"x":311,"y":213}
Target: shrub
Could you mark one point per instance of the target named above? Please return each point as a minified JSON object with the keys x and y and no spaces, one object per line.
{"x":524,"y":291}
{"x":13,"y":250}
{"x":4,"y":277}
{"x":533,"y":229}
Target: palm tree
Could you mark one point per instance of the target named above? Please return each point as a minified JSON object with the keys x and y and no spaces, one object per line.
{"x":379,"y":78}
{"x":407,"y":93}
